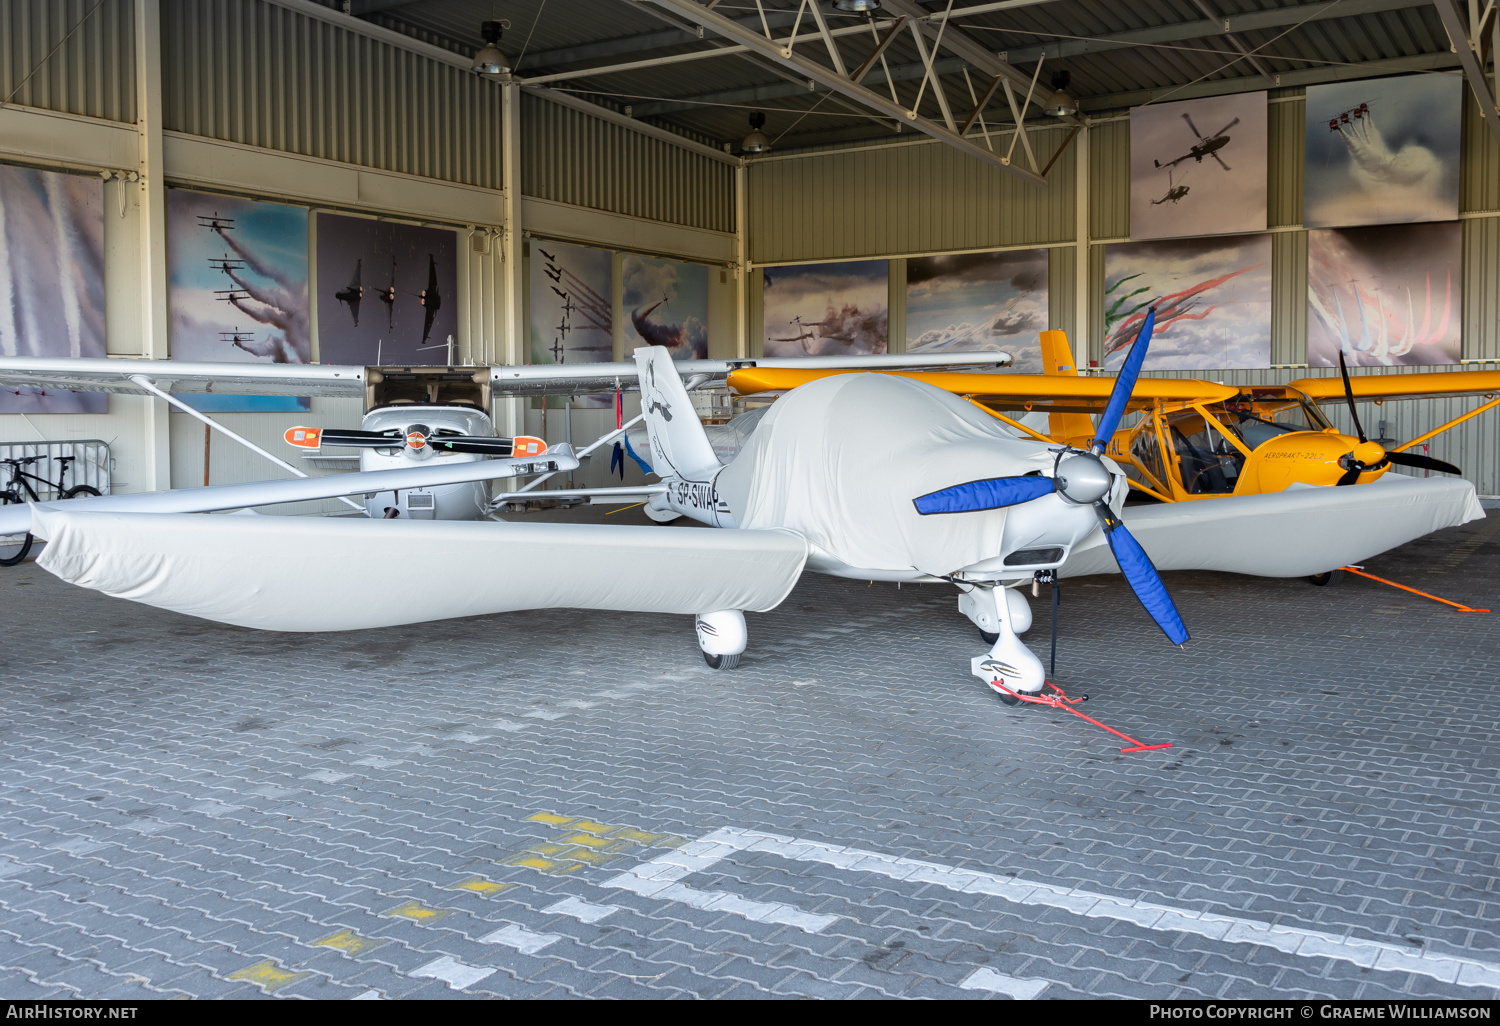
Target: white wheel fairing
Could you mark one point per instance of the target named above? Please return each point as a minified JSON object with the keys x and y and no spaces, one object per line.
{"x":722,"y":633}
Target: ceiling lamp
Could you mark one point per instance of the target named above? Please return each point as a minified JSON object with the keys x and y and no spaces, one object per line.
{"x":857,"y":6}
{"x":1061,"y":103}
{"x":491,"y":60}
{"x":756,"y":141}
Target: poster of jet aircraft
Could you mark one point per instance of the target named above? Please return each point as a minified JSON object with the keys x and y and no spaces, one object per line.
{"x":1212,"y":298}
{"x":835,"y":309}
{"x":52,"y":299}
{"x":571,"y":314}
{"x":1382,"y":151}
{"x":666,"y":304}
{"x":411,"y":273}
{"x":1198,"y":167}
{"x":1385,"y":295}
{"x":978,"y":302}
{"x":237,"y":288}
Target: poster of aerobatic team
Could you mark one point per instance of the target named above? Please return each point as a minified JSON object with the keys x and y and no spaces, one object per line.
{"x":835,"y":309}
{"x":53,"y":300}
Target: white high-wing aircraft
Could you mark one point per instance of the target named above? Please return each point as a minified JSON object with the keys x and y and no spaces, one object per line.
{"x":867,"y":476}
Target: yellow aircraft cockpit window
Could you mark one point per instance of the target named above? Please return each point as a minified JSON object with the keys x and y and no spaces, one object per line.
{"x":1260,"y":414}
{"x":1208,"y":462}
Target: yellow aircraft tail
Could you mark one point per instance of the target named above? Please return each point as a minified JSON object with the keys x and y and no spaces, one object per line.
{"x":1057,"y":358}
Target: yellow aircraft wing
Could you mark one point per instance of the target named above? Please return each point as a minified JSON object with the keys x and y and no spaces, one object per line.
{"x":1046,"y":392}
{"x":1400,"y":386}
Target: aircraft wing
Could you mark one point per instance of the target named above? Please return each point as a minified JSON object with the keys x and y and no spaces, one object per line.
{"x":1046,"y":392}
{"x":94,"y":375}
{"x":180,"y":376}
{"x":329,"y":574}
{"x":1300,"y":532}
{"x":1400,"y":386}
{"x":15,"y":519}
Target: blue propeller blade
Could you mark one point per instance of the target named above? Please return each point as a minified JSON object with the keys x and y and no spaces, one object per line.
{"x":1139,"y":571}
{"x":992,"y":493}
{"x":1130,"y":370}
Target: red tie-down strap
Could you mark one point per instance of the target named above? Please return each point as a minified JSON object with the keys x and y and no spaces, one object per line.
{"x":1062,"y":701}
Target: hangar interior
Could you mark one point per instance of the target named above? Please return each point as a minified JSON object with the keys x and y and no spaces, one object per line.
{"x":740,"y":139}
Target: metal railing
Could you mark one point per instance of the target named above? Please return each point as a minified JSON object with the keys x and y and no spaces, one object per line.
{"x":91,"y":464}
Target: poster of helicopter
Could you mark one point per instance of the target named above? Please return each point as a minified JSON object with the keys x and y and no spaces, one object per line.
{"x":978,"y":302}
{"x":1212,"y":298}
{"x":237,"y":289}
{"x":1387,"y":295}
{"x":1198,"y":167}
{"x":387,"y":292}
{"x":1382,"y":151}
{"x":51,"y":279}
{"x":666,"y":304}
{"x":838,"y":309}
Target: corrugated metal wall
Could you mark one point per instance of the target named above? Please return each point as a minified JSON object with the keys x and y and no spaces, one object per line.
{"x":93,"y":74}
{"x":255,"y":73}
{"x":570,"y":157}
{"x":917,"y":198}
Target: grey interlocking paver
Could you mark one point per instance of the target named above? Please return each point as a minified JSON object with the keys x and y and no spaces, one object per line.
{"x":1332,"y":769}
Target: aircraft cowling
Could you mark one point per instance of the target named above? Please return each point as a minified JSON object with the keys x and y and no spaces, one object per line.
{"x":840,"y":460}
{"x":1307,"y":457}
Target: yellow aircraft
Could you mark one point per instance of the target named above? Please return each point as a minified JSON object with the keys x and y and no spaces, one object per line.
{"x":1198,"y":439}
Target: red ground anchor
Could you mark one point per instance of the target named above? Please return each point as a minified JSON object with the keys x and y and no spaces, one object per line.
{"x":1062,"y":701}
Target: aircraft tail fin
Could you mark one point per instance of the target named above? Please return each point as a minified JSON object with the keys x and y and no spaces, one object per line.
{"x":679,"y":445}
{"x":1057,"y":358}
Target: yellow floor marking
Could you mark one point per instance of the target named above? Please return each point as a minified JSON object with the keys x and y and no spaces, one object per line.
{"x":479,"y":885}
{"x":592,"y":858}
{"x":551,"y":819}
{"x":548,"y":848}
{"x":349,"y":942}
{"x":588,"y":841}
{"x":417,"y":912}
{"x":591,"y":827}
{"x":268,"y":976}
{"x":543,"y":865}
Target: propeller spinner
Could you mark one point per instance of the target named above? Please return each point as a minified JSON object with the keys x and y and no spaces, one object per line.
{"x":1081,"y":478}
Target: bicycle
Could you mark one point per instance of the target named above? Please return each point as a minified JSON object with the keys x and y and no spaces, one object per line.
{"x":14,"y":548}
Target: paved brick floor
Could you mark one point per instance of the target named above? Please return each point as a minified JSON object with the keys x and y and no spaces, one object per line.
{"x":564,"y":803}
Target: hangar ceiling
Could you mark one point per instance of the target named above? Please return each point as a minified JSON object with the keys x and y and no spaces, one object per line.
{"x":675,"y":63}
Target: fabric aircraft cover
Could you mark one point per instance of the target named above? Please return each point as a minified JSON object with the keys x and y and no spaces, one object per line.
{"x":1302,"y":531}
{"x":840,"y":460}
{"x":290,"y":573}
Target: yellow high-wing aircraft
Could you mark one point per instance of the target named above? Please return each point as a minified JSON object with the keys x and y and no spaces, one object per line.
{"x":1198,"y":439}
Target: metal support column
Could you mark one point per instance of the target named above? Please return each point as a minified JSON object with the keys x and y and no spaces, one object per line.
{"x":153,"y":233}
{"x":741,"y":269}
{"x":1082,"y":342}
{"x":513,"y":341}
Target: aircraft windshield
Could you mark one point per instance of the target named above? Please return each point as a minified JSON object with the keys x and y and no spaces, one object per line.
{"x":1258,"y":415}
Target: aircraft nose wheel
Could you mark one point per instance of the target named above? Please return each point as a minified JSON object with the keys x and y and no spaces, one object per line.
{"x":722,"y":662}
{"x":989,"y":639}
{"x":1324,"y":580}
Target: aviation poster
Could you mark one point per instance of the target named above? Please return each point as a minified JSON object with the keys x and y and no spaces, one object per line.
{"x":387,"y":292}
{"x":237,"y":289}
{"x":978,"y":302}
{"x":51,"y":279}
{"x":1198,"y":167}
{"x":571,"y":314}
{"x":1388,"y":296}
{"x":1382,"y":151}
{"x":838,"y":309}
{"x":666,"y":304}
{"x":1212,"y":298}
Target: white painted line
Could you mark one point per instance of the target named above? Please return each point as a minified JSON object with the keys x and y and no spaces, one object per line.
{"x":544,"y":714}
{"x":520,"y":938}
{"x":454,"y":973}
{"x":213,"y":809}
{"x":377,"y":762}
{"x":996,"y":983}
{"x":508,"y":726}
{"x":583,"y":911}
{"x":369,"y":995}
{"x":658,"y":879}
{"x":1293,"y":940}
{"x":467,"y":738}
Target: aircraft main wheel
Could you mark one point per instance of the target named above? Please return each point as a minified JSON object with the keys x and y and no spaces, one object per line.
{"x":722,"y":662}
{"x":1007,"y":699}
{"x":661,"y":516}
{"x":989,"y":639}
{"x":1331,"y":577}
